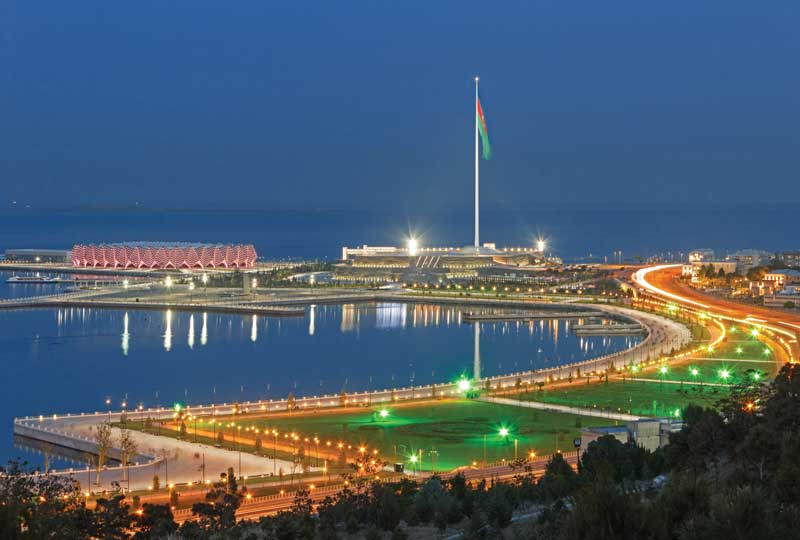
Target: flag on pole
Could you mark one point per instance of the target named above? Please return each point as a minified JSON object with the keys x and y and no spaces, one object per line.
{"x":487,"y":149}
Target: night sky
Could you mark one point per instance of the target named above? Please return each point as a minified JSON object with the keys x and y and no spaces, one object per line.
{"x":360,"y":103}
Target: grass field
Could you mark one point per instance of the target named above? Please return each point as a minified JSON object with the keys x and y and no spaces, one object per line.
{"x":690,"y":383}
{"x":454,"y":430}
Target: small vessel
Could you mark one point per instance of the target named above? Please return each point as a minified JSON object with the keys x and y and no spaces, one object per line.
{"x":33,"y":279}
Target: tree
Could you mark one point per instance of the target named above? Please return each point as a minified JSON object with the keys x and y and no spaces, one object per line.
{"x":155,"y":522}
{"x":102,"y":439}
{"x":36,"y":506}
{"x":558,"y":480}
{"x":218,"y":511}
{"x":500,"y":503}
{"x":788,"y":305}
{"x":127,"y":446}
{"x":112,"y":518}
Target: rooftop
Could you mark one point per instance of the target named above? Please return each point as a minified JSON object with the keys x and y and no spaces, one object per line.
{"x":149,"y":244}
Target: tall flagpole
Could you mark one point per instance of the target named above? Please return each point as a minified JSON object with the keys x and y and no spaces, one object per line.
{"x":477,"y":192}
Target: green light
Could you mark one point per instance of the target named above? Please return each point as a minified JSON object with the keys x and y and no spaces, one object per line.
{"x":739,"y":350}
{"x":756,"y":376}
{"x":724,"y":373}
{"x":634,"y":368}
{"x":766,"y":351}
{"x":413,"y":459}
{"x":504,"y":432}
{"x":695,"y":372}
{"x":464,"y":385}
{"x":663,"y":370}
{"x":384,"y":413}
{"x":672,"y":307}
{"x":178,"y":407}
{"x":677,"y":413}
{"x":754,"y":332}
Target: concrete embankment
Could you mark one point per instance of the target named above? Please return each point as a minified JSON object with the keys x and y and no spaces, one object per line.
{"x":530,"y":315}
{"x":608,"y":329}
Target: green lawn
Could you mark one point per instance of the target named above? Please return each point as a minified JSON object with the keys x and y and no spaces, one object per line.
{"x":645,"y":398}
{"x":649,"y":396}
{"x":454,"y":429}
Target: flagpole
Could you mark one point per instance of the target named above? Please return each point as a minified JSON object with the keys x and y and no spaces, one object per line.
{"x":477,"y":192}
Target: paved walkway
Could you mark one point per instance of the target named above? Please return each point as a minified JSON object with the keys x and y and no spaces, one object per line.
{"x":181,"y":461}
{"x":561,"y":408}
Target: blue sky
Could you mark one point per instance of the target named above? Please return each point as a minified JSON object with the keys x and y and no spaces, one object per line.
{"x":318,"y":104}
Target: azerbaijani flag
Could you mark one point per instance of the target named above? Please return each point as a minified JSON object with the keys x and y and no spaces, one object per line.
{"x":487,"y":149}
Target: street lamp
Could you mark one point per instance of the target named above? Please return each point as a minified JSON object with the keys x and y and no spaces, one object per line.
{"x":724,"y":374}
{"x":384,"y":413}
{"x":464,"y":385}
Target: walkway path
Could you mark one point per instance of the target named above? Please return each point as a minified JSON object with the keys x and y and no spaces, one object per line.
{"x":560,"y":408}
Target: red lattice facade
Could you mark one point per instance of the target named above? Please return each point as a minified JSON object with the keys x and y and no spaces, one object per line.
{"x":164,"y":256}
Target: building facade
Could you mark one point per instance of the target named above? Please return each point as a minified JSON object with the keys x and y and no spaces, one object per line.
{"x":162,"y":255}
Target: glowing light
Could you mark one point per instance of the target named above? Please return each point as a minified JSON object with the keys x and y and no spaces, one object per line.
{"x":464,"y":385}
{"x":384,"y":413}
{"x":739,"y":350}
{"x":695,"y":372}
{"x":724,"y":373}
{"x":663,"y":370}
{"x":754,"y":332}
{"x":168,"y":282}
{"x":413,"y":459}
{"x":504,"y":432}
{"x":540,"y":245}
{"x":413,"y":246}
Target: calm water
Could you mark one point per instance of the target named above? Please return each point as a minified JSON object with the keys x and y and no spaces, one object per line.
{"x":67,"y":360}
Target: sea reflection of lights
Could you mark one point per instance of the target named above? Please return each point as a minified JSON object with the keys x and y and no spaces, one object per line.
{"x":204,"y":330}
{"x":388,"y":316}
{"x":190,"y":338}
{"x":254,"y":328}
{"x":125,"y":335}
{"x":311,"y":319}
{"x":168,"y":330}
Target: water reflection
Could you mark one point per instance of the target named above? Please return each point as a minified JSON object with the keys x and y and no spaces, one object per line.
{"x":254,"y":329}
{"x":204,"y":330}
{"x":312,"y":316}
{"x":125,"y":335}
{"x":476,"y":351}
{"x":168,"y":330}
{"x":190,"y":337}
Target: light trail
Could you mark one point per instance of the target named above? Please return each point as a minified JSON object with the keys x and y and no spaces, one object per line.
{"x":640,"y":278}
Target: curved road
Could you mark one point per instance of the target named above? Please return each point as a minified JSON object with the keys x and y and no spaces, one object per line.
{"x":661,"y":281}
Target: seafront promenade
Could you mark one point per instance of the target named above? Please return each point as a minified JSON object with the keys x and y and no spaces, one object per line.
{"x":183,"y":461}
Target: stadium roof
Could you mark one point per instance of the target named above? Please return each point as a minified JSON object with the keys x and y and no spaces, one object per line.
{"x":148,"y":244}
